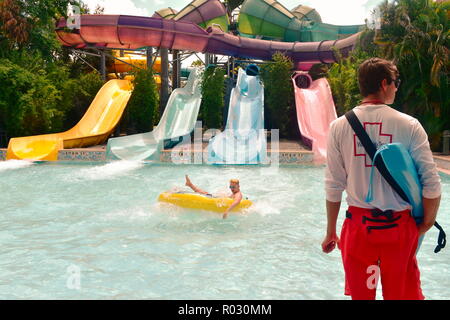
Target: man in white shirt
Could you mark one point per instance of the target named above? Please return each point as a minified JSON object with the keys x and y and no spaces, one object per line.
{"x":381,"y":236}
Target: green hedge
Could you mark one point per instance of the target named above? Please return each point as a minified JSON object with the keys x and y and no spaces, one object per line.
{"x":29,"y":102}
{"x":142,"y":110}
{"x":212,"y":88}
{"x":279,"y":95}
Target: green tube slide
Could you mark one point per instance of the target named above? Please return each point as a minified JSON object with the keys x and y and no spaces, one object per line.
{"x":272,"y":21}
{"x":205,"y":13}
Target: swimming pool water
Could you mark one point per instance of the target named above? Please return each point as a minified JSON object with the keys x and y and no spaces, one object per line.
{"x":96,"y":231}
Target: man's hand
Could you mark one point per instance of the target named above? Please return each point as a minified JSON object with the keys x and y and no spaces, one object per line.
{"x":331,"y":238}
{"x":430,"y":209}
{"x":423,"y":228}
{"x":329,"y":243}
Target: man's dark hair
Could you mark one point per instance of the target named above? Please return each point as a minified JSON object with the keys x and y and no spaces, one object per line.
{"x":372,"y":71}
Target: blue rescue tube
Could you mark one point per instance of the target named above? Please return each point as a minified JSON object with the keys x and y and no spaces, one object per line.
{"x":401,"y":166}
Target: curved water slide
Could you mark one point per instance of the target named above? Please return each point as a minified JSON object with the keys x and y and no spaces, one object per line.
{"x":132,"y":32}
{"x":166,"y":13}
{"x":94,"y":128}
{"x":270,"y":20}
{"x":130,"y":58}
{"x":205,"y":13}
{"x":125,"y":63}
{"x":243,"y":141}
{"x":178,"y":120}
{"x":315,"y":112}
{"x":303,"y":12}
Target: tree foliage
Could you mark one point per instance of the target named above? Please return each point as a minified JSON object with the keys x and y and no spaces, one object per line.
{"x":415,"y":34}
{"x":34,"y":100}
{"x":343,"y":75}
{"x":278,"y":94}
{"x":78,"y":93}
{"x":142,"y":109}
{"x":44,"y":87}
{"x":29,"y":102}
{"x":212,"y":89}
{"x":29,"y":25}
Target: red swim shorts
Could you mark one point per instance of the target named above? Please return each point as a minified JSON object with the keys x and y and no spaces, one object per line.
{"x":375,"y":243}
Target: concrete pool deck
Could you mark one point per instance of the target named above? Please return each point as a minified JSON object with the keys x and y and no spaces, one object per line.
{"x":289,"y":152}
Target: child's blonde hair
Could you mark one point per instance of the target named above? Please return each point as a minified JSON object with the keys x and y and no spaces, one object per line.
{"x":234,"y":181}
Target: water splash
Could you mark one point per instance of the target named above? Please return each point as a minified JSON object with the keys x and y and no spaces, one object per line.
{"x":264,"y":207}
{"x":109,"y":170}
{"x":129,"y":214}
{"x":14,"y":164}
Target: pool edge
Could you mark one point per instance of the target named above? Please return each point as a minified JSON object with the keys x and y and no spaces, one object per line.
{"x":167,"y":156}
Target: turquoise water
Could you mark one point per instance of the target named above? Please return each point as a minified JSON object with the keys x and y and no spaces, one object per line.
{"x":96,"y":231}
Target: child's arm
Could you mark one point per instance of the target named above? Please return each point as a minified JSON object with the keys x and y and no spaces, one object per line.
{"x":236,"y":201}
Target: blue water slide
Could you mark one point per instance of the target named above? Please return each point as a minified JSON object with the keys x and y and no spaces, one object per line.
{"x":243,"y":141}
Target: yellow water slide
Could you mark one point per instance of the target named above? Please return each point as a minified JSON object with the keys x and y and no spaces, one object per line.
{"x":94,"y":128}
{"x":140,"y":61}
{"x":130,"y":77}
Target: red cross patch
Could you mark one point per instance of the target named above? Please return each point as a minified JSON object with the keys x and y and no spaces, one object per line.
{"x":375,"y":132}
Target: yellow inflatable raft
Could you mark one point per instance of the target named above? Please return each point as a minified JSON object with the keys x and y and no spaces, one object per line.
{"x":202,"y":202}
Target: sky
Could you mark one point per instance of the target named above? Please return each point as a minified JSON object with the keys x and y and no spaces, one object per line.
{"x":342,"y":12}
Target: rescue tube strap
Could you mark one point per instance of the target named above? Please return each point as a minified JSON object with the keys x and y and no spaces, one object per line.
{"x":442,"y":238}
{"x":388,"y":214}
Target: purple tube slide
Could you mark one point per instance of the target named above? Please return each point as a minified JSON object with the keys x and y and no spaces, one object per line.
{"x":132,"y":32}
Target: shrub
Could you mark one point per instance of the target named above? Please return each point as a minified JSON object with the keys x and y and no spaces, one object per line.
{"x":29,"y":102}
{"x":78,"y":95}
{"x":279,"y":94}
{"x":142,"y":109}
{"x":212,"y":89}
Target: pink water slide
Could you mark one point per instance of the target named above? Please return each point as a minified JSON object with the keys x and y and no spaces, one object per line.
{"x":315,"y":112}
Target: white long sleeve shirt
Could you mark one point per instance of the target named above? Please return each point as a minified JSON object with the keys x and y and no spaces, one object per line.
{"x":348,"y":164}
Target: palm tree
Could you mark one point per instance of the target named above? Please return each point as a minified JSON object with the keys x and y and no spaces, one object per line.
{"x":415,"y":34}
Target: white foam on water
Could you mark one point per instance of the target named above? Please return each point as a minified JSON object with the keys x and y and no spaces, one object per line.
{"x":132,"y":213}
{"x":167,"y":209}
{"x":14,"y":164}
{"x":177,"y":188}
{"x":109,"y":170}
{"x":264,"y":207}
